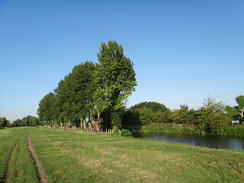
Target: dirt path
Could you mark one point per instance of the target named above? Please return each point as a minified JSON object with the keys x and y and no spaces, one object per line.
{"x":40,"y":170}
{"x":7,"y":176}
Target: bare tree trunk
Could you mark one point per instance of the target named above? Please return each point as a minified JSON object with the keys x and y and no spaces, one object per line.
{"x":81,"y":124}
{"x":241,"y":113}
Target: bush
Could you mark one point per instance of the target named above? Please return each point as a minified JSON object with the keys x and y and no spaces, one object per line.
{"x":126,"y":133}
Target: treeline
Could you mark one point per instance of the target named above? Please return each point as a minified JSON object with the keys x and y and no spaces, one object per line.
{"x":98,"y":92}
{"x":213,"y":118}
{"x":92,"y":91}
{"x":27,"y":121}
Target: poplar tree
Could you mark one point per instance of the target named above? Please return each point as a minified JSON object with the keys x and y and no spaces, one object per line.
{"x":47,"y":110}
{"x":115,"y":81}
{"x":83,"y":88}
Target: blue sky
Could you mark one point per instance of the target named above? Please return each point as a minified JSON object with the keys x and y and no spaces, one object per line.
{"x":182,"y":51}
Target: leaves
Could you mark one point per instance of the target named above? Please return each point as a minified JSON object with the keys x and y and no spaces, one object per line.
{"x":92,"y":89}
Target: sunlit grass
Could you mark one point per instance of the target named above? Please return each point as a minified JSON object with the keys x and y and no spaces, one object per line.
{"x":22,"y":167}
{"x":69,"y":156}
{"x":77,"y":157}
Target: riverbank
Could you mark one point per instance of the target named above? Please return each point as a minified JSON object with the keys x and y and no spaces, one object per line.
{"x":172,"y":128}
{"x":74,"y":156}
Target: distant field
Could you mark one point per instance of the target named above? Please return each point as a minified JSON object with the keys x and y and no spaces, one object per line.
{"x":72,"y":156}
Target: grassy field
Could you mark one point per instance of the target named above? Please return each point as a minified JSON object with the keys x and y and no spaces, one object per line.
{"x":72,"y":156}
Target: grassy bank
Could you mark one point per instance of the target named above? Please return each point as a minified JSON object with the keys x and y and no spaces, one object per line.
{"x":172,"y":128}
{"x":72,"y":156}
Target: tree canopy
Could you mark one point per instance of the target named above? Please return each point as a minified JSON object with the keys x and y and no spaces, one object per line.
{"x":4,"y":122}
{"x":91,"y":90}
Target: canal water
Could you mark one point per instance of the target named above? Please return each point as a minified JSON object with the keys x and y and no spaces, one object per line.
{"x":212,"y":142}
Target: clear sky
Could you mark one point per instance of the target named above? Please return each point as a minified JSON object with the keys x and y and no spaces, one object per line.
{"x":182,"y":51}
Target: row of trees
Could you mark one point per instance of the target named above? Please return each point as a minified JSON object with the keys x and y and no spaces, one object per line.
{"x":92,"y":91}
{"x":27,"y":121}
{"x":211,"y":119}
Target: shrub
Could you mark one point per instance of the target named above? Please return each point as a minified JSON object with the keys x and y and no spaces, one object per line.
{"x":126,"y":133}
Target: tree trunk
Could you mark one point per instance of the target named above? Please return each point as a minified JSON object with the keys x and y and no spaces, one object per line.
{"x":241,"y":113}
{"x":84,"y":124}
{"x":98,"y":115}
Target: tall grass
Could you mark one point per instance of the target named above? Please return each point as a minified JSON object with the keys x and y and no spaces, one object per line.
{"x":234,"y":131}
{"x":171,"y":128}
{"x":168,"y":128}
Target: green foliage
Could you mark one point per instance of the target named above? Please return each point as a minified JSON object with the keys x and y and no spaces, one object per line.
{"x":143,"y":113}
{"x":30,"y":121}
{"x":234,"y":131}
{"x":212,"y":119}
{"x":154,"y":106}
{"x":240,"y":101}
{"x":48,"y":108}
{"x":126,"y":133}
{"x":130,"y":120}
{"x":91,"y":90}
{"x":232,"y":112}
{"x":182,"y":115}
{"x":75,"y":93}
{"x":4,"y":122}
{"x":115,"y":79}
{"x":27,"y":121}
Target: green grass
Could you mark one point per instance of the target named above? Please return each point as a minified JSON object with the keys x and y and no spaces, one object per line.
{"x":7,"y":142}
{"x":69,"y":156}
{"x":22,"y":167}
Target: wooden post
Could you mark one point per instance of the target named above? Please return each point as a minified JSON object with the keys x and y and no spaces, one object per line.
{"x":119,"y":133}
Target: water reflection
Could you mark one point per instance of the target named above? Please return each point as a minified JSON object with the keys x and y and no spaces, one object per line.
{"x":213,"y":142}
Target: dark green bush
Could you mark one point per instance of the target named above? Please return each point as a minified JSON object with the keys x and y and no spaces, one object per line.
{"x":126,"y":133}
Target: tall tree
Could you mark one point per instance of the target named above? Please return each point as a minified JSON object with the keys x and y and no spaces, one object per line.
{"x":75,"y":94}
{"x":65,"y":99}
{"x":83,"y":88}
{"x":47,"y":110}
{"x":30,"y":121}
{"x":115,"y":78}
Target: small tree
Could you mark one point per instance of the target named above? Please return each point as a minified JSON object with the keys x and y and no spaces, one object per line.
{"x":4,"y":122}
{"x":240,"y":101}
{"x":211,"y":117}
